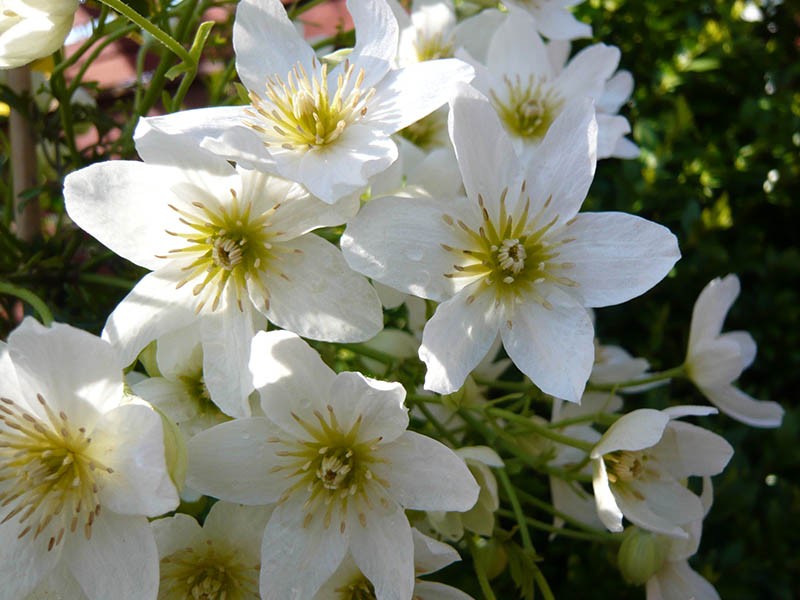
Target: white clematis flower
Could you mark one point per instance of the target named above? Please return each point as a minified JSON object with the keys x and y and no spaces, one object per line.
{"x":553,"y":18}
{"x":221,"y":559}
{"x":641,"y":461}
{"x":715,"y":359}
{"x":515,"y":257}
{"x":327,"y":128}
{"x":430,"y":555}
{"x":334,"y":453}
{"x":529,"y":89}
{"x":229,"y":249}
{"x":31,"y":29}
{"x":81,"y":469}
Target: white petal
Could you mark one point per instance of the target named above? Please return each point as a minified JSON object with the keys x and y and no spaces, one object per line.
{"x":397,"y":241}
{"x":124,"y":205}
{"x":130,"y":440}
{"x":472,"y":34}
{"x":714,"y":363}
{"x":557,"y":23}
{"x":742,"y":407}
{"x":153,"y":308}
{"x":58,"y":584}
{"x":426,"y":475}
{"x":617,"y":91}
{"x":711,"y":308}
{"x":73,"y":370}
{"x":563,"y":165}
{"x":636,"y":430}
{"x":517,"y":48}
{"x":610,"y":130}
{"x":226,"y":337}
{"x":290,"y":377}
{"x":747,"y":346}
{"x":553,"y":346}
{"x":232,"y":461}
{"x":242,"y":526}
{"x":320,"y":297}
{"x":433,"y":590}
{"x":22,"y":563}
{"x":176,"y":533}
{"x":407,"y":95}
{"x":659,"y":506}
{"x":686,"y":449}
{"x":159,"y":146}
{"x":378,"y":404}
{"x":297,"y":557}
{"x":587,"y":72}
{"x":340,"y":168}
{"x":485,"y":155}
{"x":457,"y":337}
{"x":677,"y":581}
{"x":9,"y":383}
{"x":384,"y":552}
{"x":481,"y":454}
{"x":266,"y":43}
{"x":616,"y":256}
{"x":572,"y":500}
{"x":119,"y":561}
{"x":377,"y":34}
{"x":431,"y":555}
{"x":607,"y":509}
{"x":197,"y":124}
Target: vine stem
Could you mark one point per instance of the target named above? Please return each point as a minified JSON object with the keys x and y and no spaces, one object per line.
{"x":150,"y":28}
{"x":679,"y":371}
{"x":37,"y":303}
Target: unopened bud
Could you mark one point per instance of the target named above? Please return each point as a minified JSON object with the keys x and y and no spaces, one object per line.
{"x":641,"y":555}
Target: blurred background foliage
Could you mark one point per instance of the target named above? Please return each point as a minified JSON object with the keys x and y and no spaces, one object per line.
{"x":716,"y":111}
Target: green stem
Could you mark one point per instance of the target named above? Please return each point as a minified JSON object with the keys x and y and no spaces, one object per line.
{"x":150,"y":28}
{"x":364,"y":350}
{"x":598,"y":417}
{"x":480,"y":572}
{"x":679,"y":371}
{"x":511,"y":493}
{"x":116,"y":282}
{"x":438,"y":425}
{"x":508,"y":386}
{"x":26,"y":295}
{"x":542,"y":430}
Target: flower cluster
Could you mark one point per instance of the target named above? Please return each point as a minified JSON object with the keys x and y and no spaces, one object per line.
{"x":347,"y":277}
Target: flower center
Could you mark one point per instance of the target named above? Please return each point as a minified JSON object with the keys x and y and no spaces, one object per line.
{"x":332,"y":465}
{"x":302,"y":113}
{"x":225,"y":245}
{"x":527,"y":109}
{"x":511,"y":252}
{"x":207,"y":573}
{"x":433,"y":46}
{"x":51,"y":481}
{"x":624,"y":465}
{"x":334,"y":468}
{"x":361,"y":589}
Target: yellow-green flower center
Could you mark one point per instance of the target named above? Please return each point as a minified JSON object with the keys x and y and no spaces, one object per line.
{"x":227,"y":245}
{"x":433,"y":47}
{"x":302,"y":112}
{"x":509,"y":252}
{"x":527,"y":108}
{"x":50,"y":478}
{"x":360,"y":589}
{"x":207,"y":573}
{"x":624,"y":465}
{"x":332,"y":466}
